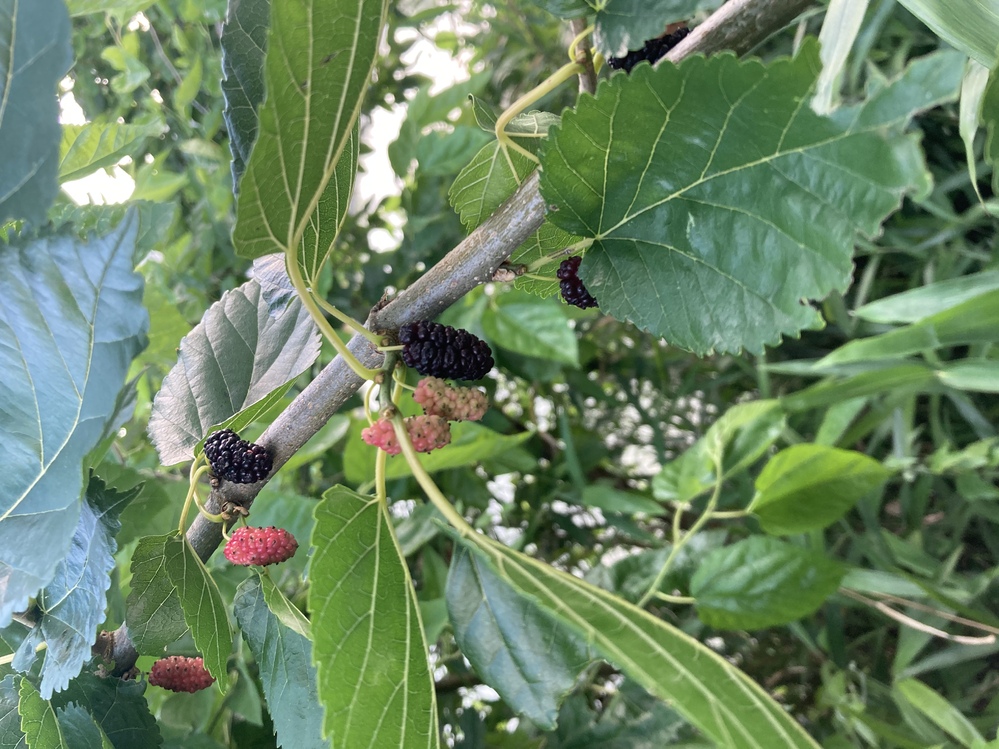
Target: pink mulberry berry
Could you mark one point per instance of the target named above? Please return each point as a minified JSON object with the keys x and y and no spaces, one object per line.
{"x":425,"y":432}
{"x":452,"y":403}
{"x":178,"y":673}
{"x":261,"y":546}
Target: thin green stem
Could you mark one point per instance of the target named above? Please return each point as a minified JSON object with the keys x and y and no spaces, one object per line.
{"x":553,"y":81}
{"x":728,"y":514}
{"x":348,"y":320}
{"x":198,"y":469}
{"x":681,"y":541}
{"x":309,"y":300}
{"x":6,"y":659}
{"x":536,"y":277}
{"x":675,"y":599}
{"x":204,"y":511}
{"x":564,"y":252}
{"x":434,"y":494}
{"x":575,"y":42}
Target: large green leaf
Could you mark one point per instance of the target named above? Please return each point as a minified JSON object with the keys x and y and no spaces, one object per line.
{"x":284,"y":660}
{"x":201,"y":601}
{"x":972,"y":26}
{"x":71,"y":315}
{"x":35,"y":54}
{"x":119,"y":707}
{"x":522,"y":651}
{"x":72,"y":605}
{"x":38,"y":719}
{"x":239,"y":355}
{"x":87,"y":148}
{"x":715,"y":696}
{"x":155,"y":617}
{"x":320,"y":54}
{"x":762,"y":582}
{"x":728,"y":225}
{"x":807,"y":487}
{"x":244,"y":44}
{"x":374,"y":680}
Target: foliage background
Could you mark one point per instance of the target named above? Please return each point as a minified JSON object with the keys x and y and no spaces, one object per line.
{"x":596,"y":412}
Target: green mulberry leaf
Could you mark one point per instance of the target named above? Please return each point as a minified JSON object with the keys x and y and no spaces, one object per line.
{"x":35,"y":54}
{"x":72,"y":605}
{"x":718,"y":202}
{"x":238,"y":360}
{"x":71,"y":314}
{"x":369,"y":651}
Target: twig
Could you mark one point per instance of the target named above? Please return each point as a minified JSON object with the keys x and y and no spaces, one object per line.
{"x":588,"y":77}
{"x":919,"y":626}
{"x":471,"y":263}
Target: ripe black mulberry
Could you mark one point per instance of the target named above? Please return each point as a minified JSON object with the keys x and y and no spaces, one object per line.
{"x":574,"y":292}
{"x":439,"y":350}
{"x":237,"y":460}
{"x":652,"y":51}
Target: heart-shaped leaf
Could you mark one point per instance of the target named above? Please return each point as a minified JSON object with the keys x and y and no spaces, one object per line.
{"x":744,"y":203}
{"x":155,"y":617}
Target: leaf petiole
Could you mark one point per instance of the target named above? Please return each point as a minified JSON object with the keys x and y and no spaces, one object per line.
{"x":198,"y":469}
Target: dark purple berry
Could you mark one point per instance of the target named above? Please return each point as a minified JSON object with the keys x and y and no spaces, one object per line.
{"x":439,"y":350}
{"x":652,"y":51}
{"x":237,"y":460}
{"x":573,"y":290}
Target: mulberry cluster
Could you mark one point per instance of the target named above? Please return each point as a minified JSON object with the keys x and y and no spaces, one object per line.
{"x":237,"y":460}
{"x":261,"y":546}
{"x":178,"y":673}
{"x":442,"y":351}
{"x":426,"y":432}
{"x":452,"y":403}
{"x":573,"y":290}
{"x":652,"y":50}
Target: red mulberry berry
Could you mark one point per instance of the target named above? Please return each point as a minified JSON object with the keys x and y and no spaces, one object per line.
{"x":573,"y":290}
{"x":452,"y":403}
{"x":237,"y":460}
{"x":442,"y":351}
{"x":261,"y":546}
{"x":178,"y":673}
{"x":427,"y":433}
